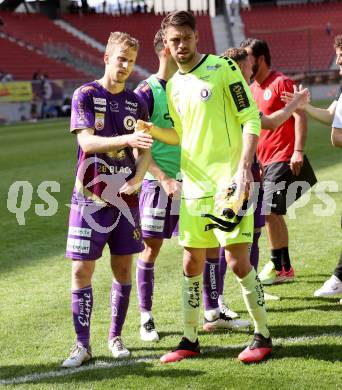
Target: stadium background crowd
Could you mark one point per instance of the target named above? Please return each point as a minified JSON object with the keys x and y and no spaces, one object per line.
{"x":72,"y":34}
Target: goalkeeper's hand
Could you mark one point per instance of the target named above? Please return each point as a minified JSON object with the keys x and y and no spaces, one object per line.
{"x":143,"y":126}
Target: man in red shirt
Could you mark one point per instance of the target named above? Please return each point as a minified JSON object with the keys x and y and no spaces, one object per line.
{"x":280,"y":153}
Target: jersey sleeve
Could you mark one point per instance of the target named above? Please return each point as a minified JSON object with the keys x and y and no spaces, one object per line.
{"x":174,"y":114}
{"x":243,"y":104}
{"x":82,"y":111}
{"x":337,"y":122}
{"x":144,"y":115}
{"x":285,"y":84}
{"x":145,"y":93}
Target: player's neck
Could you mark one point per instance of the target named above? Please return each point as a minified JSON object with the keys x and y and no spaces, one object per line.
{"x":263,"y":75}
{"x":184,"y":68}
{"x":112,"y":86}
{"x":166,"y":71}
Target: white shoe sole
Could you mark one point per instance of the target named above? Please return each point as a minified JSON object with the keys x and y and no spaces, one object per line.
{"x":66,"y":364}
{"x":153,"y":339}
{"x":122,"y":355}
{"x":211,"y":326}
{"x":327,"y":293}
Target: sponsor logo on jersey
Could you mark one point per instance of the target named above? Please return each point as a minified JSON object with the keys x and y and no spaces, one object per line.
{"x":117,"y":154}
{"x":239,"y":95}
{"x":100,"y":101}
{"x":205,"y":78}
{"x":129,"y":122}
{"x":80,"y":113}
{"x":102,"y":109}
{"x":267,"y":94}
{"x":131,"y":103}
{"x":88,"y":88}
{"x":81,"y":232}
{"x":205,"y":94}
{"x":132,"y":110}
{"x":114,"y":106}
{"x":114,"y":169}
{"x":214,"y":67}
{"x":99,"y":121}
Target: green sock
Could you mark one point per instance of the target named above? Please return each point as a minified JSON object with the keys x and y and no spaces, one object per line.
{"x":253,"y":295}
{"x":191,"y":295}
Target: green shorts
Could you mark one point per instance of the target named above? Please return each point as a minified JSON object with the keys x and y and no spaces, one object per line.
{"x":192,"y":232}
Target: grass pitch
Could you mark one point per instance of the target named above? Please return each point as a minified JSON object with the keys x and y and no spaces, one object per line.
{"x":36,"y":329}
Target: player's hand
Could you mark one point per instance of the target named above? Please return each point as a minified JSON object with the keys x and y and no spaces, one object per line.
{"x":301,"y":95}
{"x":296,"y":162}
{"x":140,"y":140}
{"x":244,"y":182}
{"x":131,"y":186}
{"x":172,"y":187}
{"x":143,"y":126}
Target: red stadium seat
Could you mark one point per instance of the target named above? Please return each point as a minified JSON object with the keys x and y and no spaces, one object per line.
{"x":296,"y":35}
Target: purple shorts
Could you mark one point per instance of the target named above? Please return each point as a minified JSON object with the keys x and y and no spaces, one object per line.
{"x":159,"y":213}
{"x":92,"y":226}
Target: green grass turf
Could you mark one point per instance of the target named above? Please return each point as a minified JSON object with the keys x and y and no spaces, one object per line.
{"x":35,"y":324}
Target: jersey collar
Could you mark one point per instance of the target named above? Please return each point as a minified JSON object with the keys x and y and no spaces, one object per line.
{"x":196,"y":66}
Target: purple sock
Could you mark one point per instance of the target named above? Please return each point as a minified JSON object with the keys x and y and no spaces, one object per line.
{"x":81,"y":307}
{"x":210,"y":284}
{"x":145,"y":282}
{"x":222,"y":272}
{"x":119,"y":299}
{"x":254,"y":255}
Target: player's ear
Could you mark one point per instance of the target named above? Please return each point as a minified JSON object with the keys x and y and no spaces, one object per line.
{"x":106,"y":58}
{"x":196,"y":37}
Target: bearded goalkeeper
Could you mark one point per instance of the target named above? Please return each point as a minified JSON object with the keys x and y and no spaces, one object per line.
{"x":209,"y":101}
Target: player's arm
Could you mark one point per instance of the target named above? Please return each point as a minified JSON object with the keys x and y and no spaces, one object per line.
{"x":243,"y":177}
{"x":91,"y":143}
{"x":170,"y":185}
{"x":336,"y":133}
{"x":301,"y":128}
{"x":245,"y":109}
{"x":277,"y":118}
{"x":336,"y":137}
{"x":142,"y":164}
{"x":323,"y":115}
{"x":167,"y":135}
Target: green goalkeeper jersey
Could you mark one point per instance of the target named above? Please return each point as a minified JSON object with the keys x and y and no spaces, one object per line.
{"x":208,"y":106}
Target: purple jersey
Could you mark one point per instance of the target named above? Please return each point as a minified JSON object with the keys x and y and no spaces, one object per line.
{"x":145,"y":92}
{"x":100,"y":175}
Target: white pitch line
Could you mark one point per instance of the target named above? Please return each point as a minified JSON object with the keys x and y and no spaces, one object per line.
{"x":100,"y":365}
